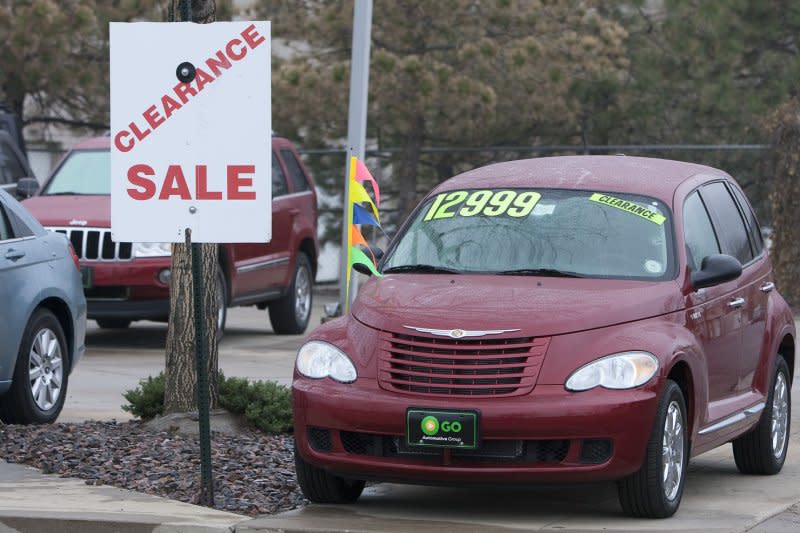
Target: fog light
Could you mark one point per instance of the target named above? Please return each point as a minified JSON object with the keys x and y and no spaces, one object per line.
{"x":164,"y":276}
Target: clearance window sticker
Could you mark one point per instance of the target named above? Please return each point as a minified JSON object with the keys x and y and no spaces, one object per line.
{"x":507,"y":202}
{"x":647,"y":213}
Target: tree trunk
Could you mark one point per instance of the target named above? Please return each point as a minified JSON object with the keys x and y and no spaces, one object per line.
{"x":180,"y":368}
{"x":785,"y":189}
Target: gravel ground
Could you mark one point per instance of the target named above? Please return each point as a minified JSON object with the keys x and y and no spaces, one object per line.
{"x":253,"y":472}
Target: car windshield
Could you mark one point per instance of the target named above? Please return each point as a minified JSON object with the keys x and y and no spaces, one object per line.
{"x":82,"y":172}
{"x":543,"y":232}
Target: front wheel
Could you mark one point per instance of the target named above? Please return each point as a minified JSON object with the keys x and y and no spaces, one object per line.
{"x":319,"y":486}
{"x":763,"y":449}
{"x":655,"y":490}
{"x":39,"y":385}
{"x":290,"y":314}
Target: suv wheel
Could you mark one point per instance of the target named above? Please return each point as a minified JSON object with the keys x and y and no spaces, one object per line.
{"x":655,"y":490}
{"x":39,"y":385}
{"x":290,"y":314}
{"x":763,"y":449}
{"x":221,"y":298}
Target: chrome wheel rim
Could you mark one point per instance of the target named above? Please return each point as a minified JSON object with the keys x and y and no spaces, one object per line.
{"x":672,"y":452}
{"x":780,"y":415}
{"x":302,"y":295}
{"x":45,"y":369}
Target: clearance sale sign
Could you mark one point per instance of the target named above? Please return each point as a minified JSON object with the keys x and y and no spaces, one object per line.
{"x":191,"y":132}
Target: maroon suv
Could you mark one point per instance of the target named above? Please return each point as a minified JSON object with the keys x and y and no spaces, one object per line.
{"x":124,"y":282}
{"x":555,"y":320}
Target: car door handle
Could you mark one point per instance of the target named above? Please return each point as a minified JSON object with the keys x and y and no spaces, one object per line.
{"x":767,"y":287}
{"x":737,"y":302}
{"x":13,"y":255}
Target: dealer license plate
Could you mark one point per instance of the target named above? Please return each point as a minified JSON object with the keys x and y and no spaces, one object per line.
{"x":441,"y":429}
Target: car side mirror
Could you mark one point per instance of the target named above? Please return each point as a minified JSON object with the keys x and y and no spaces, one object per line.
{"x":27,"y":187}
{"x":374,"y":251}
{"x":716,"y":269}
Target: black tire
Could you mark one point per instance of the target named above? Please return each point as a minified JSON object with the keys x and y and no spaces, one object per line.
{"x":645,"y":493}
{"x":291,"y":313}
{"x":113,"y":323}
{"x":18,"y":405}
{"x":221,"y":297}
{"x":757,"y":451}
{"x":319,"y":486}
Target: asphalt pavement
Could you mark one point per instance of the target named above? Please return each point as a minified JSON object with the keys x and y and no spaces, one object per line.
{"x":717,"y":497}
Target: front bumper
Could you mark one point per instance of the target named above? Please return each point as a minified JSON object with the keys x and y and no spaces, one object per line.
{"x":549,"y":435}
{"x":128,"y":290}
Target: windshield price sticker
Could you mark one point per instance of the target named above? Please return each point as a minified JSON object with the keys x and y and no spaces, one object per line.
{"x":442,"y":429}
{"x":482,"y":202}
{"x":629,"y":207}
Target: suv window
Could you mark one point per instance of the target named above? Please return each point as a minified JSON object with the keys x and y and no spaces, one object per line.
{"x":701,"y":241}
{"x":278,"y":178}
{"x":756,"y":240}
{"x":295,"y":172}
{"x":729,"y":224}
{"x":10,"y":164}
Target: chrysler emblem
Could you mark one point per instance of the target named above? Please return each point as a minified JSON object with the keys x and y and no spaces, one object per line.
{"x":459,"y":333}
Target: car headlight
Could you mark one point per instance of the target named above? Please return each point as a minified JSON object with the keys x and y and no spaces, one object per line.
{"x":624,"y":370}
{"x":151,"y":249}
{"x":318,"y":360}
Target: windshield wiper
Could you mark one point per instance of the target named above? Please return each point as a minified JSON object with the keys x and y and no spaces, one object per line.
{"x":553,"y":272}
{"x":65,"y":193}
{"x":421,"y":268}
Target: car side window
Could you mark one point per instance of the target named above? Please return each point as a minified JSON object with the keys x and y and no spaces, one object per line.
{"x":701,"y":241}
{"x":753,"y":229}
{"x":19,"y":229}
{"x":295,"y":172}
{"x":278,"y":178}
{"x":727,"y":221}
{"x":5,"y":227}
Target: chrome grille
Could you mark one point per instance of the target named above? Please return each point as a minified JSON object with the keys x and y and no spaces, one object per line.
{"x":440,"y":366}
{"x":95,"y":244}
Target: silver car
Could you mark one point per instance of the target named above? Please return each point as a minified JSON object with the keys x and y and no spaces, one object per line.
{"x":42,"y":317}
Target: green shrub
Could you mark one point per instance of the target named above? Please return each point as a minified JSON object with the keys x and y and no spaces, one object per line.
{"x":265,"y":405}
{"x":147,"y":400}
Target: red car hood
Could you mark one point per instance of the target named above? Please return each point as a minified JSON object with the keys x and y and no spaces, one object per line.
{"x":537,"y":306}
{"x":90,"y":211}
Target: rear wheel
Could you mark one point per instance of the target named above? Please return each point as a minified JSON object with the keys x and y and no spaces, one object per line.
{"x":763,"y":449}
{"x":655,"y":490}
{"x":113,"y":323}
{"x":39,"y":384}
{"x":221,"y":299}
{"x":319,"y":486}
{"x":290,"y":314}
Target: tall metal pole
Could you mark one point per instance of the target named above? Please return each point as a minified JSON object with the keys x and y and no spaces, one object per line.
{"x":356,"y":124}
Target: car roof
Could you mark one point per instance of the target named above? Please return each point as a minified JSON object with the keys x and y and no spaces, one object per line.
{"x":646,"y":176}
{"x":104,"y":142}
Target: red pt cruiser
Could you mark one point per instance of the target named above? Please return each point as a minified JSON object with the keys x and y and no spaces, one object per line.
{"x":558,"y":319}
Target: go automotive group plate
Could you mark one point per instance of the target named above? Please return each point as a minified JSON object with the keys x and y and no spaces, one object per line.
{"x":442,"y":429}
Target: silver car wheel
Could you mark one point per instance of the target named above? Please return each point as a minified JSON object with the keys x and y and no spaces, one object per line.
{"x":45,"y":369}
{"x":672,"y":454}
{"x":780,"y":415}
{"x":302,"y":295}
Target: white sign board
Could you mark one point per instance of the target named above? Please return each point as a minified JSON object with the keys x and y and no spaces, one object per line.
{"x":191,"y":154}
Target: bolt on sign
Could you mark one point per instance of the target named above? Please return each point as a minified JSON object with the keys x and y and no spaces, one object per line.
{"x":191,"y":126}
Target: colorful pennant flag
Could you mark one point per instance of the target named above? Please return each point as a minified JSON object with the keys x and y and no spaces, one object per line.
{"x":358,"y":214}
